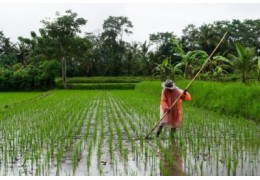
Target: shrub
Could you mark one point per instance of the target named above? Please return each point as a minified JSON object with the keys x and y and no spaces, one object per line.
{"x":39,"y":76}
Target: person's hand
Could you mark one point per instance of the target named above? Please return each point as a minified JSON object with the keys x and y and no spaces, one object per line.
{"x":167,"y":109}
{"x":185,"y":91}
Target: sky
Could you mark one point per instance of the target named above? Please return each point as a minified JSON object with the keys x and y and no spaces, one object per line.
{"x":147,"y":17}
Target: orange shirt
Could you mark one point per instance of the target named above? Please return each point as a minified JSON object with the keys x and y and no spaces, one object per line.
{"x":174,"y":117}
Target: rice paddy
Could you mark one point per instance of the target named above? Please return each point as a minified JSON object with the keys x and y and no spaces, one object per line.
{"x":101,"y":132}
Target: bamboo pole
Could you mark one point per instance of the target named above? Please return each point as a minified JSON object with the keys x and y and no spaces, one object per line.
{"x":204,"y":64}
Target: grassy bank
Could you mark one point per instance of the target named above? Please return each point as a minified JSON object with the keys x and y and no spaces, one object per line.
{"x":90,"y":83}
{"x":107,"y":86}
{"x":234,"y":99}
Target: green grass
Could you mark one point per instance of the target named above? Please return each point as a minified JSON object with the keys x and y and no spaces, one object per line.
{"x":235,"y":99}
{"x":13,"y":99}
{"x":108,"y":86}
{"x":107,"y":79}
{"x":89,"y":83}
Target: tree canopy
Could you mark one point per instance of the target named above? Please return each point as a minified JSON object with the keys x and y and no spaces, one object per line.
{"x":60,"y":48}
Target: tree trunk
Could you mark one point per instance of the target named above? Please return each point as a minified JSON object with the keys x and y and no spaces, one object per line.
{"x":163,"y":76}
{"x":244,"y":78}
{"x":211,"y":69}
{"x":172,"y":76}
{"x":185,"y":72}
{"x":64,"y":74}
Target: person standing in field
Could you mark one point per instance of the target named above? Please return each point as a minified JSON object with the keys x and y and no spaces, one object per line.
{"x":173,"y":118}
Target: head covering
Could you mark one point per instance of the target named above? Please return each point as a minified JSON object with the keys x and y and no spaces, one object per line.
{"x":169,"y":84}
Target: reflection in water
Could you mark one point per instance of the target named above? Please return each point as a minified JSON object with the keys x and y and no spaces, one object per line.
{"x":171,"y":159}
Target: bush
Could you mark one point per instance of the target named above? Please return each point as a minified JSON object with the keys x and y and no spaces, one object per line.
{"x":32,"y":77}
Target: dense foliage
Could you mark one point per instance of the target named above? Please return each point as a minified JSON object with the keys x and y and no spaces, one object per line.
{"x":31,"y":77}
{"x":106,"y":53}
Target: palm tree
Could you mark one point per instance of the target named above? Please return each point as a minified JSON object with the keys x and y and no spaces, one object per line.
{"x":162,"y":68}
{"x":219,"y":65}
{"x":245,"y":60}
{"x":207,"y":38}
{"x":258,"y":69}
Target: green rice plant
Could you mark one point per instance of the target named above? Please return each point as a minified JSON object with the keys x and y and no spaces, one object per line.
{"x":201,"y":168}
{"x":110,"y":141}
{"x":234,"y":167}
{"x":40,"y":132}
{"x":228,"y":162}
{"x":118,"y":130}
{"x":93,"y":108}
{"x":100,"y":140}
{"x":76,"y":155}
{"x":96,"y":123}
{"x":120,"y":111}
{"x":89,"y":150}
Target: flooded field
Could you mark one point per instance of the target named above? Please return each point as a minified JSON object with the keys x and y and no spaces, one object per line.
{"x":102,"y":133}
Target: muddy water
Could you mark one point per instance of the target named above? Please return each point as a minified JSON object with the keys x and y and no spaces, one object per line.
{"x":213,"y":147}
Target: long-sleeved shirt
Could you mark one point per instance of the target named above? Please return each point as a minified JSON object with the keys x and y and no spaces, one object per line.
{"x":173,"y":118}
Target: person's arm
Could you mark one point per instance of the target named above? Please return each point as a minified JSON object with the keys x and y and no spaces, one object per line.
{"x":185,"y":96}
{"x":164,"y":102}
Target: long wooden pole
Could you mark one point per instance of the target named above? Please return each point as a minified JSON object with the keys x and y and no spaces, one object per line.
{"x":222,"y":39}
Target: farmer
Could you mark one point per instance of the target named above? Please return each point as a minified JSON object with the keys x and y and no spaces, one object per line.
{"x":173,"y":117}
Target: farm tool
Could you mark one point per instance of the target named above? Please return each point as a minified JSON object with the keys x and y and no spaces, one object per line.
{"x":204,"y":64}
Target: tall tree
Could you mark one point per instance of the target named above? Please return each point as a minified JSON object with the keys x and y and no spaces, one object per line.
{"x":144,"y":55}
{"x":113,"y":46}
{"x":207,"y":38}
{"x":189,"y":38}
{"x":258,"y":68}
{"x":245,"y":60}
{"x":165,"y":43}
{"x":7,"y":51}
{"x":115,"y":27}
{"x":62,"y":30}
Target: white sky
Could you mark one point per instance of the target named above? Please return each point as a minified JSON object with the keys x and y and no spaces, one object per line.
{"x":19,"y":19}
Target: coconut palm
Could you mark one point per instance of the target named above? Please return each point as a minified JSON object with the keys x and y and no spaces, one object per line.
{"x":258,"y":69}
{"x":245,"y":60}
{"x":219,"y":65}
{"x":207,"y":38}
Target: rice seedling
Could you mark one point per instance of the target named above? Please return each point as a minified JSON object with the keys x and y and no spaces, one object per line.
{"x":39,"y":133}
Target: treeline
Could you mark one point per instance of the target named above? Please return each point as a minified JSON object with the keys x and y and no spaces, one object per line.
{"x":60,"y":48}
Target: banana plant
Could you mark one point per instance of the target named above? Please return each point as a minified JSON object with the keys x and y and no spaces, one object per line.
{"x":220,"y":65}
{"x":258,"y":69}
{"x":167,"y":69}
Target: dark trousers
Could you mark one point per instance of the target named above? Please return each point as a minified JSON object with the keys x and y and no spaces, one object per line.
{"x":173,"y":130}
